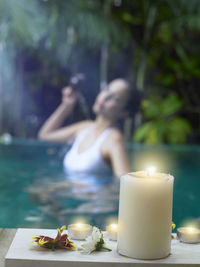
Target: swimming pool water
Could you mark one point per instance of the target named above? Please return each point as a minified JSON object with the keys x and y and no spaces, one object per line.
{"x":36,"y":192}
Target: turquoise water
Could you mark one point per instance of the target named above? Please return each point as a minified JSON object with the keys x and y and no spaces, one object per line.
{"x":36,"y":192}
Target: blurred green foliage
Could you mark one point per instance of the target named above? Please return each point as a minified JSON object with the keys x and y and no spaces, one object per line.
{"x":167,"y":69}
{"x":163,"y":125}
{"x":47,"y":40}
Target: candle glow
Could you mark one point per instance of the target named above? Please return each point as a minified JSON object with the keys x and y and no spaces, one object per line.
{"x":188,"y":234}
{"x":79,"y":230}
{"x":151,"y":170}
{"x":191,"y":229}
{"x":79,"y":225}
{"x":112,"y":231}
{"x":114,"y":226}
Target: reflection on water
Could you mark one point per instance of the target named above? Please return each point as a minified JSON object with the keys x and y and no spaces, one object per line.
{"x":77,"y":194}
{"x":35,"y":191}
{"x":61,"y":202}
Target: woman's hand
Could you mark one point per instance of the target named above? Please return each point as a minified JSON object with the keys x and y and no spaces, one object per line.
{"x":69,"y":98}
{"x":51,"y":129}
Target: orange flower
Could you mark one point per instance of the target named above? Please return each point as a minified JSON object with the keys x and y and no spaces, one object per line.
{"x":61,"y":241}
{"x":173,"y":227}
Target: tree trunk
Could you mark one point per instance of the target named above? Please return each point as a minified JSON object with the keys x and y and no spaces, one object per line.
{"x":104,"y":53}
{"x":140,"y":79}
{"x":104,"y":66}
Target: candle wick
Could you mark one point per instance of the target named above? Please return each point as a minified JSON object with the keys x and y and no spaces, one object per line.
{"x":150,"y":171}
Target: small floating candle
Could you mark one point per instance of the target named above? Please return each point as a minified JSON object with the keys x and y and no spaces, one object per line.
{"x":112,"y":230}
{"x":188,"y":235}
{"x":79,"y":231}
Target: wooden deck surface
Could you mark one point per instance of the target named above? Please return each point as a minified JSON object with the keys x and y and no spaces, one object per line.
{"x":6,"y":237}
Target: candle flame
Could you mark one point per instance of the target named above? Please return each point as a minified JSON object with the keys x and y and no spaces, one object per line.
{"x":151,"y":170}
{"x":79,"y":225}
{"x":114,"y":226}
{"x":191,"y":229}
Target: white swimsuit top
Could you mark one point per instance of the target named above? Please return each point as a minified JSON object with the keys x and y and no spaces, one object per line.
{"x":90,"y":160}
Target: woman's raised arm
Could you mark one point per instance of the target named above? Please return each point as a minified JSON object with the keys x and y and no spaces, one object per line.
{"x":51,"y":129}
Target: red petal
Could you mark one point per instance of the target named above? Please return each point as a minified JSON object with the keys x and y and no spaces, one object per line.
{"x":58,"y":237}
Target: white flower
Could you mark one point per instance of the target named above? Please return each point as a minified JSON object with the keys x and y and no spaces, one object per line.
{"x":94,"y":242}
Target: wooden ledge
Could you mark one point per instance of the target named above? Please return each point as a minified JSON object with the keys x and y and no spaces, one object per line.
{"x":24,"y":254}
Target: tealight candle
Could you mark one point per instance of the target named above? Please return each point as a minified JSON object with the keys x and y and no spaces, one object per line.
{"x":188,"y":235}
{"x":145,"y":214}
{"x":112,"y":230}
{"x":79,"y":231}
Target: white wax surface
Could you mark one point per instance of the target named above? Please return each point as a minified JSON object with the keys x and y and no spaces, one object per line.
{"x":145,"y":215}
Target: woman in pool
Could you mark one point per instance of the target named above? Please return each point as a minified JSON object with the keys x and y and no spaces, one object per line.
{"x":98,"y":145}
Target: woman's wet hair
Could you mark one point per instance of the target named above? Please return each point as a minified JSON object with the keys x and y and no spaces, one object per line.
{"x":134,"y":97}
{"x":133,"y":104}
{"x":81,"y":110}
{"x":131,"y":109}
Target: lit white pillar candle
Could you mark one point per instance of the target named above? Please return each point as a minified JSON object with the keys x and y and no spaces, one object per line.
{"x":145,"y":214}
{"x":188,"y":234}
{"x":79,"y":231}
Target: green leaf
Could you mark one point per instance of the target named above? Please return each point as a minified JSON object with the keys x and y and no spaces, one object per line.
{"x":165,"y":33}
{"x":142,"y":132}
{"x":152,"y":108}
{"x":178,"y":130}
{"x":153,"y":137}
{"x":151,"y":132}
{"x":171,"y":104}
{"x":166,"y":78}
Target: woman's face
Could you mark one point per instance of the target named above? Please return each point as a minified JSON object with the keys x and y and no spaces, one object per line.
{"x":111,"y":101}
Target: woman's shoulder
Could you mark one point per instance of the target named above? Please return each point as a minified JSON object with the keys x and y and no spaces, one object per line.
{"x":114,"y":141}
{"x":116,"y":135}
